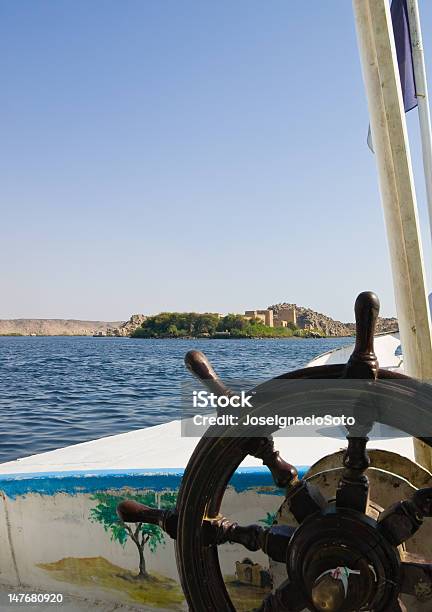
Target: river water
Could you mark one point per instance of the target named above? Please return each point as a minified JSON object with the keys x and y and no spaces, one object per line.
{"x":56,"y":391}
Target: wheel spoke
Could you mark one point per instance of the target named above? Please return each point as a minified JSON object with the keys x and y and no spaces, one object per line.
{"x":200,"y":367}
{"x":416,"y":577}
{"x":353,"y":490}
{"x":401,"y":520}
{"x":397,"y":606}
{"x":284,"y":474}
{"x":363,"y":362}
{"x":273,"y":541}
{"x":133,"y":512}
{"x":287,"y":598}
{"x":423,"y":501}
{"x":305,"y":499}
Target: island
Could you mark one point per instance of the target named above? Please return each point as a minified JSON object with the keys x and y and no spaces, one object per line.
{"x":213,"y":325}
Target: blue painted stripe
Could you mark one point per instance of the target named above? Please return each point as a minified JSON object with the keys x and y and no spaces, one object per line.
{"x":86,"y":482}
{"x":110,"y":472}
{"x":123,"y":472}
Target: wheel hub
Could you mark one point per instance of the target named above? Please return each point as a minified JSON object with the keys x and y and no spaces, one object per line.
{"x":343,"y":562}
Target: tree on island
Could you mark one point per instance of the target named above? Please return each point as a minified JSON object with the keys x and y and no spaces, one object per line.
{"x":177,"y":325}
{"x":141,"y":534}
{"x":234,"y":322}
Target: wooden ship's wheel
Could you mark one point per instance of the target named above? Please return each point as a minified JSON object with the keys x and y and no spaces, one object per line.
{"x":336,"y":545}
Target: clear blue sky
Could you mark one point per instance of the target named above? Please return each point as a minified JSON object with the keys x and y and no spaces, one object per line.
{"x":195,"y":155}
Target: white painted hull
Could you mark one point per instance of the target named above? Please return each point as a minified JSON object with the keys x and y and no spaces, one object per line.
{"x":386,"y":349}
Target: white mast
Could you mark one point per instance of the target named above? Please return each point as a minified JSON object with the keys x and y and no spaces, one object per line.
{"x":422,"y":98}
{"x":392,"y":155}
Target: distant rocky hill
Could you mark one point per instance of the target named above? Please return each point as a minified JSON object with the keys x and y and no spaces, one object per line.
{"x":127,"y":328}
{"x":310,"y":319}
{"x":54,"y":327}
{"x":384,"y":325}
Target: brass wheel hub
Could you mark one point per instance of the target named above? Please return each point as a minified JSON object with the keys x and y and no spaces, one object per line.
{"x":343,"y":562}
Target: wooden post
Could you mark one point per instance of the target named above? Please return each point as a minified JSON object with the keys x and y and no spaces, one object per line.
{"x":422,"y":99}
{"x":389,"y":134}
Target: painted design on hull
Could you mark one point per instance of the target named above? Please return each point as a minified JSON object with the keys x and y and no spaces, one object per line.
{"x":88,"y":553}
{"x":156,"y":591}
{"x":141,"y":534}
{"x":75,"y":483}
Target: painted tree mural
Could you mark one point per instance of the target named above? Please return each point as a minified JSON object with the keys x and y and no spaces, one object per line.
{"x":269,"y":519}
{"x":141,"y":534}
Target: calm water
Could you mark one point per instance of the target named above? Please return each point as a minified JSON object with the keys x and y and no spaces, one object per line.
{"x":60,"y":391}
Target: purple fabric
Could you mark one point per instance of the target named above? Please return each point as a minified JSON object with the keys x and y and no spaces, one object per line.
{"x":399,"y":15}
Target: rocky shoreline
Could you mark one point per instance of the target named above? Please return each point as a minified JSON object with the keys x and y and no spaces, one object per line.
{"x":307,"y":319}
{"x":310,"y":319}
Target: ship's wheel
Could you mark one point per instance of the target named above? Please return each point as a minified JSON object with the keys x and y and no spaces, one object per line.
{"x":338,"y":553}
